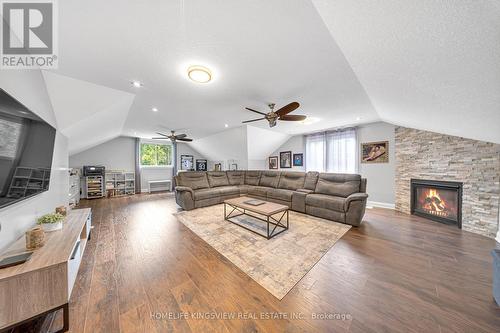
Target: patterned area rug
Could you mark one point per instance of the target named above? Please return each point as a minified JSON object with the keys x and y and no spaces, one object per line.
{"x":276,"y":264}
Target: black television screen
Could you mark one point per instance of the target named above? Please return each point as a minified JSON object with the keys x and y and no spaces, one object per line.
{"x":26,"y":149}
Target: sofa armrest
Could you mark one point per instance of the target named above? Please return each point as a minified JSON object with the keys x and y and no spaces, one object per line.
{"x":354,"y":197}
{"x":184,"y":196}
{"x":184,"y":189}
{"x":303,"y":190}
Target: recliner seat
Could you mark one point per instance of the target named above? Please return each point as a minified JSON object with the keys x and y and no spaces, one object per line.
{"x":338,"y":197}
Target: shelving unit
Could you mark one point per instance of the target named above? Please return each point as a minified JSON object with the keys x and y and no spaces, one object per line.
{"x":28,"y":181}
{"x":74,"y":187}
{"x":120,"y":183}
{"x":93,"y":187}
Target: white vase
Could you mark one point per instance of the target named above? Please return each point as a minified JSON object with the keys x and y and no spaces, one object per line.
{"x":48,"y":227}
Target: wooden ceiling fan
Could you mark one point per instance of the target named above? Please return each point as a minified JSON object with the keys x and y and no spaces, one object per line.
{"x":281,"y":114}
{"x":173,"y":137}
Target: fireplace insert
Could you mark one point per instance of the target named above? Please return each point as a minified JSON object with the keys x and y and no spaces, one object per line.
{"x":437,"y":200}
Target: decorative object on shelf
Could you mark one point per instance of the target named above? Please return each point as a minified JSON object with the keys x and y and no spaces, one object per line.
{"x":201,"y":165}
{"x":35,"y":238}
{"x":285,"y":159}
{"x":298,"y":159}
{"x":273,"y":162}
{"x":187,"y":162}
{"x":62,"y":210}
{"x":51,"y":222}
{"x":218,"y":167}
{"x":375,"y":152}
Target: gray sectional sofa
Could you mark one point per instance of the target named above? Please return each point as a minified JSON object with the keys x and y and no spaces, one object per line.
{"x":337,"y":197}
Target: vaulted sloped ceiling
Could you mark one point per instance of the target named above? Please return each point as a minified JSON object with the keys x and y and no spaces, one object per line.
{"x":425,"y":64}
{"x":88,"y":114}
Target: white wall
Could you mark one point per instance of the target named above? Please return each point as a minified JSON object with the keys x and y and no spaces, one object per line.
{"x":29,"y":88}
{"x":296,"y":144}
{"x":116,"y":154}
{"x":380,"y":176}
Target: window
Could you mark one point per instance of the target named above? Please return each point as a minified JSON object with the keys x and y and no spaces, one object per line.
{"x":333,"y":151}
{"x":156,"y":154}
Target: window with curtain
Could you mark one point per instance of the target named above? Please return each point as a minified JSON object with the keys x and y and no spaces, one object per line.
{"x":332,"y":151}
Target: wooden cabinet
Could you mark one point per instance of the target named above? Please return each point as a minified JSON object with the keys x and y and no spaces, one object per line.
{"x":44,"y":283}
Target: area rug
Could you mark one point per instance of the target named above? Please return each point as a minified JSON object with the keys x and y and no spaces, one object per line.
{"x":276,"y":264}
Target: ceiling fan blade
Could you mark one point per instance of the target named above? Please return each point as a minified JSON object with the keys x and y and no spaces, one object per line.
{"x":165,"y":135}
{"x":181,"y":136}
{"x":292,"y":117}
{"x":249,"y":121}
{"x":185,"y":139}
{"x":287,"y":109}
{"x":262,"y":113}
{"x":157,"y":138}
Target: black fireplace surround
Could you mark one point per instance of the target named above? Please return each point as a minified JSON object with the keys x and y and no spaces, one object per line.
{"x":437,"y":200}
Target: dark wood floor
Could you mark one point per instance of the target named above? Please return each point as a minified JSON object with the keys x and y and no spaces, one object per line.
{"x":395,"y":273}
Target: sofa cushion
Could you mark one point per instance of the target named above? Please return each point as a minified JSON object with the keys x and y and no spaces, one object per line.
{"x":269,"y":179}
{"x":229,"y":190}
{"x":206,"y":193}
{"x":252,"y":178}
{"x":260,"y":191}
{"x":217,"y":178}
{"x":338,"y":184}
{"x":325,"y":201}
{"x":194,"y":179}
{"x":292,"y":180}
{"x":281,"y":194}
{"x":311,"y":180}
{"x":236,"y":177}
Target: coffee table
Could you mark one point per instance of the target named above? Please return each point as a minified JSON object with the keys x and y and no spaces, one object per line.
{"x":238,"y":207}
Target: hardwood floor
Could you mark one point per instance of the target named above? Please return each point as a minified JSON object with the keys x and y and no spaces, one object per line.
{"x":395,"y":273}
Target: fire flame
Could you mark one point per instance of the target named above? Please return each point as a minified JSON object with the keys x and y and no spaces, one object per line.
{"x":433,"y":204}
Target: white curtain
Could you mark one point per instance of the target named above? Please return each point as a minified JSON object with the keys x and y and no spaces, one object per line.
{"x":333,"y":151}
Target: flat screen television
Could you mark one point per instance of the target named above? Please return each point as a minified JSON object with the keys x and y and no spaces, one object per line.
{"x":26,"y":149}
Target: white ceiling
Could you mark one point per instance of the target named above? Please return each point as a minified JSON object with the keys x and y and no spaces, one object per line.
{"x":425,"y":64}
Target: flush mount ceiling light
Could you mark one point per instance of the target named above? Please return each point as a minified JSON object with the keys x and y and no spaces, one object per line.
{"x":136,"y":84}
{"x":154,"y":109}
{"x":199,"y":74}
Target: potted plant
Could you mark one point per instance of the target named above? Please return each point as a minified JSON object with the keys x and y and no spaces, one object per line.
{"x":51,"y":222}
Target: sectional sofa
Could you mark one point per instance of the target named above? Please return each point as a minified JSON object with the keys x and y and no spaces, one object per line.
{"x":338,"y":197}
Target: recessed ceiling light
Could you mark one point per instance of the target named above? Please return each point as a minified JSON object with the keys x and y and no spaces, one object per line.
{"x":154,"y":109}
{"x":358,"y":118}
{"x":226,"y":125}
{"x":199,"y":74}
{"x":309,"y":121}
{"x":137,"y":84}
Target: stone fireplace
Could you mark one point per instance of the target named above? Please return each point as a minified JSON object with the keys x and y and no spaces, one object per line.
{"x":440,"y":201}
{"x":423,"y":155}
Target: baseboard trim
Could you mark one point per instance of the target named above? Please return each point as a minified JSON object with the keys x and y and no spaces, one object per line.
{"x":371,"y":204}
{"x":144,"y":190}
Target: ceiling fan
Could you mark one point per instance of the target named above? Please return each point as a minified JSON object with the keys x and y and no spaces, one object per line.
{"x":281,"y":114}
{"x":173,"y":137}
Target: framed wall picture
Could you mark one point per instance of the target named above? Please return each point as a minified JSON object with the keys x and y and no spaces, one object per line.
{"x":218,"y":166}
{"x":285,"y":159}
{"x":298,"y":159}
{"x":375,"y":152}
{"x":273,"y":162}
{"x":234,"y":166}
{"x":201,"y":165}
{"x":187,"y":162}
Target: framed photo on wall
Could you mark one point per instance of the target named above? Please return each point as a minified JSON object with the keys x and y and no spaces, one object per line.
{"x":187,"y":162}
{"x":375,"y":152}
{"x":285,"y":159}
{"x":298,"y":159}
{"x":273,"y":162}
{"x":218,"y":167}
{"x":201,"y":165}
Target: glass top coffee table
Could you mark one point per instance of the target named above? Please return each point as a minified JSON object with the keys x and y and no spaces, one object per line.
{"x":273,"y":214}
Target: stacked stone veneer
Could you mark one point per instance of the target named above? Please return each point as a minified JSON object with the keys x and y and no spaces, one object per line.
{"x":428,"y":155}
